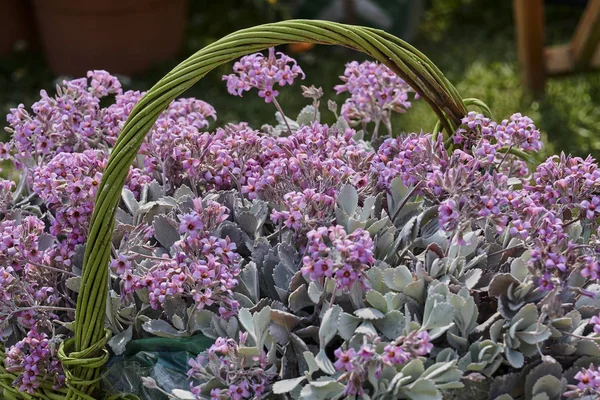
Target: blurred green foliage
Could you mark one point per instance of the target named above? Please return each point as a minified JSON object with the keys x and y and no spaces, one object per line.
{"x":472,"y":41}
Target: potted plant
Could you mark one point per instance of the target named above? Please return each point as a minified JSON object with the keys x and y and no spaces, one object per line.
{"x":81,"y":35}
{"x":297,"y":260}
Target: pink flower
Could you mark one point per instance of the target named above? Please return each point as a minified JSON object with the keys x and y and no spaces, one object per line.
{"x":591,"y":208}
{"x":121,"y":265}
{"x":239,"y":391}
{"x":268,"y":94}
{"x":394,"y":355}
{"x":191,"y":224}
{"x":422,"y":346}
{"x":448,"y":214}
{"x":344,"y":359}
{"x":589,"y":379}
{"x":596,"y":321}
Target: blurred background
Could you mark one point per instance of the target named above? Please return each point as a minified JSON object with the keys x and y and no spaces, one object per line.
{"x":473,"y":42}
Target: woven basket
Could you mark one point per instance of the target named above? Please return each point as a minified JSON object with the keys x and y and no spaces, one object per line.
{"x":84,"y":355}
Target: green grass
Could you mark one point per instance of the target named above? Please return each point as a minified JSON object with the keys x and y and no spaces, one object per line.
{"x":471,"y":41}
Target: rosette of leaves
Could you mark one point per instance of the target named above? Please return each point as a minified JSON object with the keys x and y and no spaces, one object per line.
{"x":484,"y":356}
{"x":351,"y":216}
{"x":515,"y":289}
{"x":544,"y":381}
{"x":521,"y":335}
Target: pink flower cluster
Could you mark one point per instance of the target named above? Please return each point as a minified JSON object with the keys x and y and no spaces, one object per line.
{"x":314,"y":157}
{"x":68,"y":122}
{"x":256,"y":71}
{"x":68,"y":184}
{"x":6,"y":188}
{"x":464,"y":185}
{"x":561,"y":185}
{"x":244,"y":378}
{"x":412,"y":157}
{"x":304,"y":211}
{"x":472,"y":184}
{"x":26,"y":283}
{"x":203,"y":268}
{"x":174,"y":147}
{"x":34,"y":359}
{"x":518,"y":131}
{"x":375,"y":92}
{"x":221,"y":160}
{"x":355,"y":365}
{"x":332,"y":253}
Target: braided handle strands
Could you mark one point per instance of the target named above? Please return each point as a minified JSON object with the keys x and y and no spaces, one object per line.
{"x":84,"y":354}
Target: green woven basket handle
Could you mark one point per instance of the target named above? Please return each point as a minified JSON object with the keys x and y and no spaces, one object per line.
{"x":402,"y":58}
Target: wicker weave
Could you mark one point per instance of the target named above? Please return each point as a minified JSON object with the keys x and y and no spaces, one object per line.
{"x":84,"y":355}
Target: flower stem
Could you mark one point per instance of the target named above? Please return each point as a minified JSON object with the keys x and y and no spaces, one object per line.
{"x":51,"y":268}
{"x":408,"y":196}
{"x":278,"y":107}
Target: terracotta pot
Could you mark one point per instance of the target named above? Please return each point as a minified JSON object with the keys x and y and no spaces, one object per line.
{"x":120,"y":36}
{"x":16,"y":24}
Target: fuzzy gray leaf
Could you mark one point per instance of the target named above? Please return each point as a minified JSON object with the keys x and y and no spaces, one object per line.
{"x":437,"y":314}
{"x":367,"y":329}
{"x":509,"y":384}
{"x":307,"y":116}
{"x":347,"y":199}
{"x":73,"y":283}
{"x":377,"y":300}
{"x":299,"y":299}
{"x":423,"y":389}
{"x":245,"y":318}
{"x":285,"y":319}
{"x":397,"y":278}
{"x":183,"y":192}
{"x":178,"y":322}
{"x":392,"y":325}
{"x":261,"y":321}
{"x":369,"y":313}
{"x":161,"y":328}
{"x":500,"y":283}
{"x":368,"y":208}
{"x":130,"y":201}
{"x":540,"y":371}
{"x":287,"y":385}
{"x":248,"y":222}
{"x":45,"y":241}
{"x":324,"y":363}
{"x":465,"y":250}
{"x":165,"y":231}
{"x":514,"y":357}
{"x":279,"y":334}
{"x":314,"y":292}
{"x":347,"y":326}
{"x":587,"y":347}
{"x":249,"y":281}
{"x":471,"y":278}
{"x":311,"y":362}
{"x":329,"y":325}
{"x":119,"y":341}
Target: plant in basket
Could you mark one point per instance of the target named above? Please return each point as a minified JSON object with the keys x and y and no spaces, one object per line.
{"x":301,"y":259}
